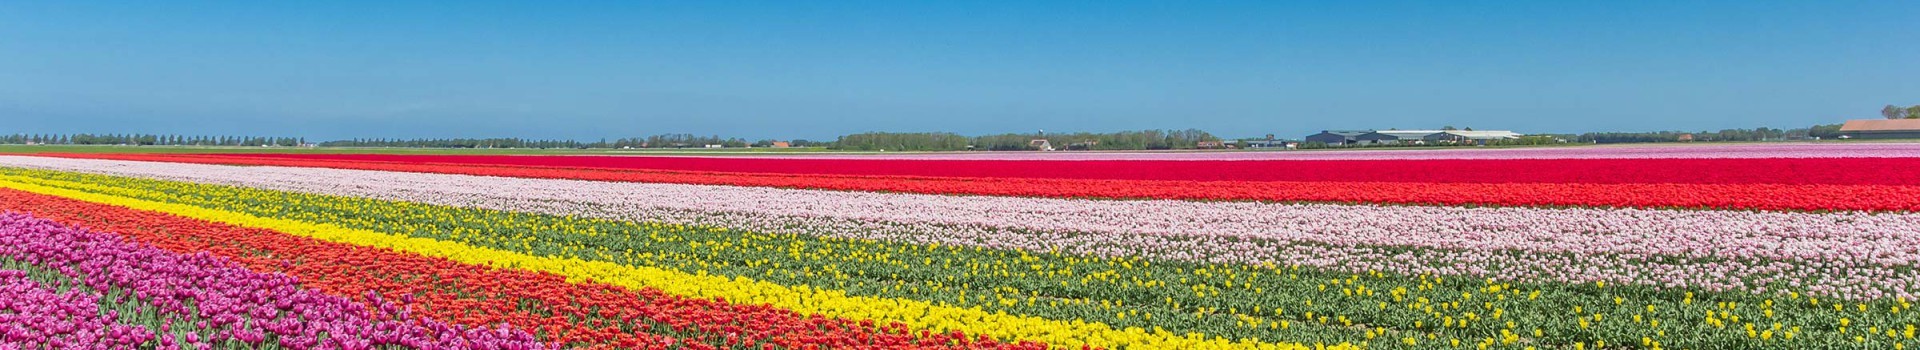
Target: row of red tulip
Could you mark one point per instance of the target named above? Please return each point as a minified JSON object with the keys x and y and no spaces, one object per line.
{"x":1804,"y":171}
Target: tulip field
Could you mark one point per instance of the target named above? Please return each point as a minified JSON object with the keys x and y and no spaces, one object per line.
{"x":1698,"y":247}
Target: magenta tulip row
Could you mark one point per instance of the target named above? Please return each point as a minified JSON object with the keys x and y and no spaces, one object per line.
{"x":33,"y":314}
{"x":217,"y":297}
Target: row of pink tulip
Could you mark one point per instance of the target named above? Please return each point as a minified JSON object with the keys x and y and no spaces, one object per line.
{"x":205,"y":295}
{"x":1846,"y":254}
{"x":34,"y":314}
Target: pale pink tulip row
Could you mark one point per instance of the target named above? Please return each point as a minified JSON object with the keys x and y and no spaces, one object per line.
{"x":1851,"y":255}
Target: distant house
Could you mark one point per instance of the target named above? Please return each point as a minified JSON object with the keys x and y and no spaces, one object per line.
{"x":1040,"y":144}
{"x":1881,"y":129}
{"x":781,"y":144}
{"x":1209,"y":145}
{"x":1336,"y":137}
{"x":1684,"y":138}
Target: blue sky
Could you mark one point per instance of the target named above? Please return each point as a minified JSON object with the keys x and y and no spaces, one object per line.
{"x":816,"y":69}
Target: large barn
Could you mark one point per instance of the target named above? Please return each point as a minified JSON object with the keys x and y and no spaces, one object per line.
{"x":1478,"y":136}
{"x":1881,"y":129}
{"x":1389,"y":137}
{"x":1336,"y":137}
{"x":1422,"y":137}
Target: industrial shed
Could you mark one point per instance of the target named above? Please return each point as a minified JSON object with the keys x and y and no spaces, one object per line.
{"x":1480,"y":137}
{"x":1390,"y":137}
{"x":1336,"y":137}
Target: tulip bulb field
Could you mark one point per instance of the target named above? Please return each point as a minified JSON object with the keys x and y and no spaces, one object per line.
{"x":1790,"y":246}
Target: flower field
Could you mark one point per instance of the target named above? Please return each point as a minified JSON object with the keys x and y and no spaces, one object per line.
{"x":1889,"y":188}
{"x":1684,"y":248}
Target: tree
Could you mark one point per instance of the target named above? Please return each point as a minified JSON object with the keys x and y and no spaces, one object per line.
{"x":1824,"y":131}
{"x":1913,"y":112}
{"x":1895,"y":112}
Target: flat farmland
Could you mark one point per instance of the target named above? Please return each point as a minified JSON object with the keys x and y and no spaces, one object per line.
{"x":1742,"y":246}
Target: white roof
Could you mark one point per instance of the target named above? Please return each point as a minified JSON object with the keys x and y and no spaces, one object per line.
{"x":1407,"y":133}
{"x":1484,"y":134}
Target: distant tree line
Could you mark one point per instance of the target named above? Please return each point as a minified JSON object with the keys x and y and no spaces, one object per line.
{"x":902,"y":141}
{"x":1123,"y":140}
{"x":923,"y":141}
{"x":150,"y":140}
{"x":655,"y":141}
{"x":946,"y":141}
{"x":937,"y":141}
{"x":679,"y":141}
{"x":1528,"y":140}
{"x":1897,"y":112}
{"x":1827,"y":131}
{"x":793,"y":143}
{"x":508,"y":142}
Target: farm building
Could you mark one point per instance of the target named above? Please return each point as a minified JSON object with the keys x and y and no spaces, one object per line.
{"x":1881,"y":129}
{"x":1410,"y":137}
{"x":1422,"y":137}
{"x":1270,"y":144}
{"x":1040,"y":144}
{"x":1390,"y":137}
{"x":1336,"y":137}
{"x":1478,"y":136}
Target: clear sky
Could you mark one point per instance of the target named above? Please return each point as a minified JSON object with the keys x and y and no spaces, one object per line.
{"x":816,"y":69}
